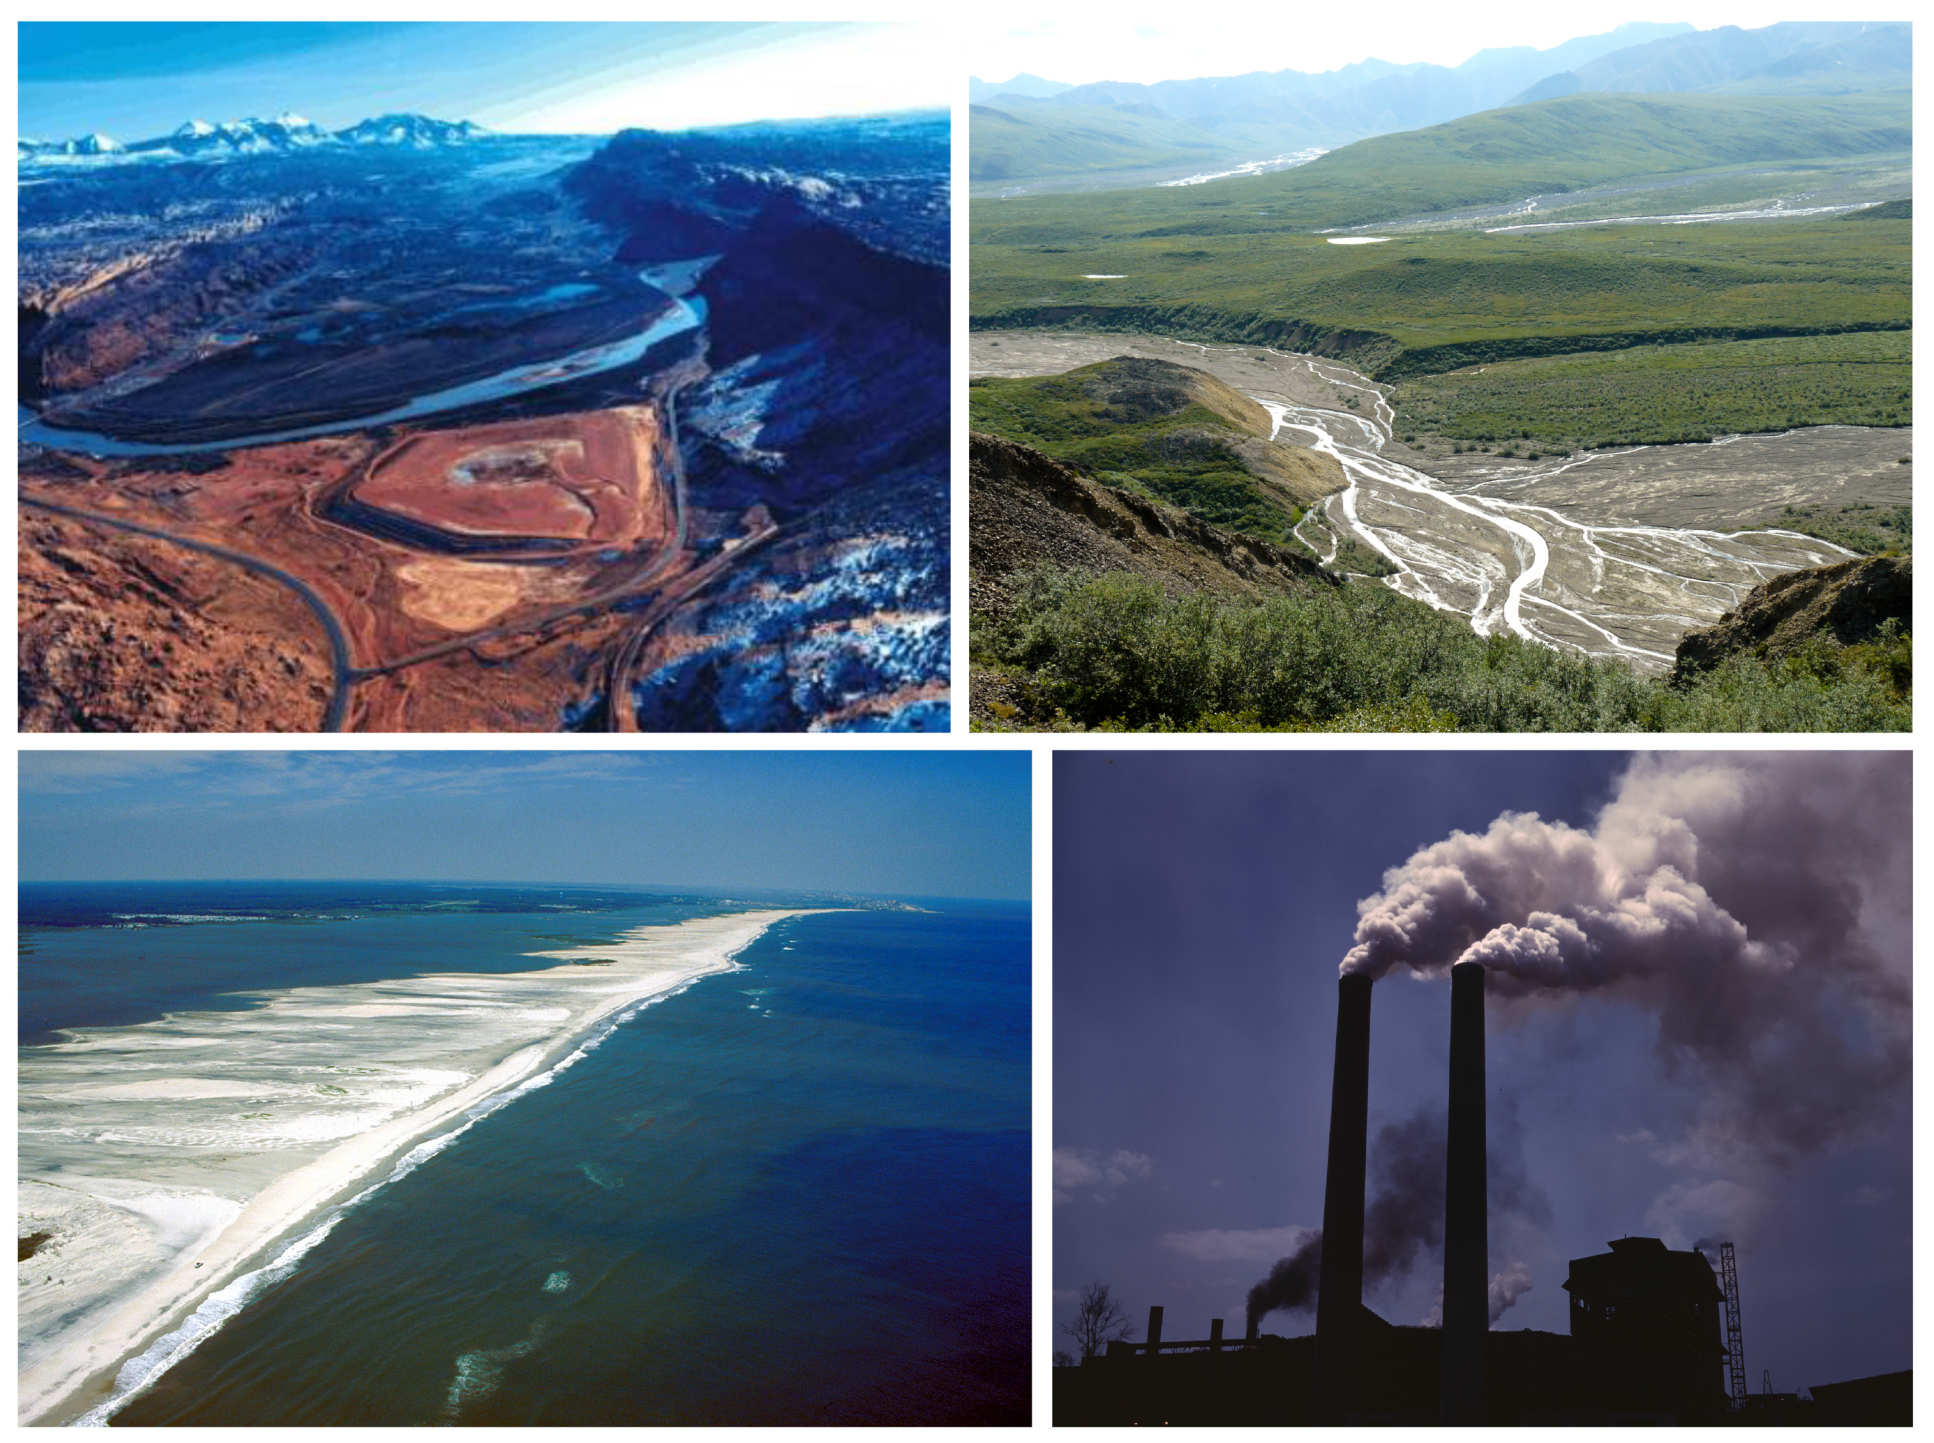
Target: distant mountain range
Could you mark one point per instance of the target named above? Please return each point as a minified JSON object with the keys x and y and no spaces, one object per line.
{"x":1824,"y":58}
{"x":1032,"y":131}
{"x":1023,"y":86}
{"x":284,"y":134}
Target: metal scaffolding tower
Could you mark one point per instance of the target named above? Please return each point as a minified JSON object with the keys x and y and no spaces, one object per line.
{"x":1735,"y":1353}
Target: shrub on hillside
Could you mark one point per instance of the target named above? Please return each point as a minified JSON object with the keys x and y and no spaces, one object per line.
{"x":1118,"y":651}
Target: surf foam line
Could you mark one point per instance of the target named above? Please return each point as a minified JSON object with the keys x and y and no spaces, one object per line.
{"x":140,"y":1372}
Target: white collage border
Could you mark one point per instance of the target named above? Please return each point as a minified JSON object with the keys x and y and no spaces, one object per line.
{"x":947,"y":19}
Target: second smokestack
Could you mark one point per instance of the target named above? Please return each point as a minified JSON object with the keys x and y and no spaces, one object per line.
{"x":1467,"y":1301}
{"x":1339,"y":1288}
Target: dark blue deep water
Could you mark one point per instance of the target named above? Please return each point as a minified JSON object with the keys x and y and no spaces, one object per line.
{"x":797,"y":1193}
{"x":98,"y":954}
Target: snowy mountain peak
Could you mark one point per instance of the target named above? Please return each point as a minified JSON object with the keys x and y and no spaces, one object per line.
{"x":286,"y":133}
{"x":420,"y":132}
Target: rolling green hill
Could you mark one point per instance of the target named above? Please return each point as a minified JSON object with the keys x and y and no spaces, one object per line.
{"x":1655,"y":395}
{"x":1245,"y":261}
{"x":1439,"y":301}
{"x":1887,"y":210}
{"x":1566,"y":144}
{"x":1017,"y":140}
{"x":1500,"y":155}
{"x":1117,"y":133}
{"x":1166,"y":431}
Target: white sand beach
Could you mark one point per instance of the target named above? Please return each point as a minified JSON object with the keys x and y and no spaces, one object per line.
{"x":168,"y":1159}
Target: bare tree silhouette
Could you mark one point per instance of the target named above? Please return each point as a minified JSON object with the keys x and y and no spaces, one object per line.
{"x":1099,"y":1320}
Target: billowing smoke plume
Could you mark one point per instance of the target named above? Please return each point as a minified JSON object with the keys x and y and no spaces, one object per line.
{"x":1291,"y":1284}
{"x":1756,"y":904}
{"x":1506,"y":1288}
{"x":1403,"y":1217}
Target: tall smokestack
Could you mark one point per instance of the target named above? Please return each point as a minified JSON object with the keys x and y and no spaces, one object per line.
{"x":1339,"y":1288}
{"x":1467,"y":1300}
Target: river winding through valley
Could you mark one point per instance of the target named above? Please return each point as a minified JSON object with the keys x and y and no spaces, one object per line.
{"x":1614,"y":553}
{"x":679,"y":316}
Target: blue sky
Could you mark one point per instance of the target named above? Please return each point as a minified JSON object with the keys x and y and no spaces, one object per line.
{"x":134,"y":80}
{"x":1146,"y":43}
{"x":1202,"y":903}
{"x":904,"y":823}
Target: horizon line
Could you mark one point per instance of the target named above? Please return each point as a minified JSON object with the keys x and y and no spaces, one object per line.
{"x":707,"y":887}
{"x":500,"y":133}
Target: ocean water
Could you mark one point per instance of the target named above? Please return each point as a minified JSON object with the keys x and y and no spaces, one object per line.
{"x":793,"y":1193}
{"x":112,"y":954}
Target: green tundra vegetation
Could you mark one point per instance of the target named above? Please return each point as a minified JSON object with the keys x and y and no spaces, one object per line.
{"x":1437,"y":301}
{"x":1667,"y":393}
{"x":1532,"y":340}
{"x":1864,"y":527}
{"x":1870,"y":181}
{"x":1246,"y":261}
{"x":1118,"y":652}
{"x":1890,"y":210}
{"x":1165,"y":431}
{"x":1553,"y":146}
{"x":1021,"y":140}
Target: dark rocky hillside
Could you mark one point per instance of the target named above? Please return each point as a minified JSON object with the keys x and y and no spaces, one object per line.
{"x":791,"y":275}
{"x":1030,"y":511}
{"x":1848,"y":602}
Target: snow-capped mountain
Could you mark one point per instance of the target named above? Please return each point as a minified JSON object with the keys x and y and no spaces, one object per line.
{"x":283,"y":134}
{"x":420,"y":132}
{"x":239,"y":137}
{"x":95,"y":144}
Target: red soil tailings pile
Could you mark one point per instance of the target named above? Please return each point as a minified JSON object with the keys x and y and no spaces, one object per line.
{"x":586,"y":478}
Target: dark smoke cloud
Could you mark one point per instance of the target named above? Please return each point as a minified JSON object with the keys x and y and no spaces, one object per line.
{"x":1291,"y":1284}
{"x":1403,"y":1218}
{"x":1403,"y":1221}
{"x":1757,"y":905}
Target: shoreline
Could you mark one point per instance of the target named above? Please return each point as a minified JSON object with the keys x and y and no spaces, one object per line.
{"x":79,"y":1373}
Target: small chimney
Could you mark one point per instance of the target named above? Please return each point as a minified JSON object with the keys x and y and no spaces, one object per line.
{"x":1467,"y":1299}
{"x":1155,"y":1329}
{"x":1215,"y":1335}
{"x":1339,"y":1288}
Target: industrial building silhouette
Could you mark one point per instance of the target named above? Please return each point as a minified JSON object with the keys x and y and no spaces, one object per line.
{"x":1654,"y":1335}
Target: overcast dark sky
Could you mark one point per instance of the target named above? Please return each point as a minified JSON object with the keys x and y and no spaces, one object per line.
{"x":1201,"y":905}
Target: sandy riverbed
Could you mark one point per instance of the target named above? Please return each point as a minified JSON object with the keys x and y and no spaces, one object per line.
{"x":1614,"y":553}
{"x":170,"y":1159}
